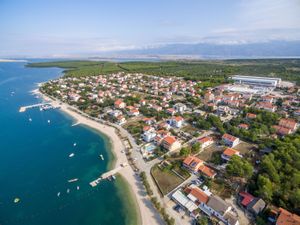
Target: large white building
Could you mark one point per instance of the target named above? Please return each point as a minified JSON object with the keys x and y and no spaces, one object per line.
{"x":257,"y":81}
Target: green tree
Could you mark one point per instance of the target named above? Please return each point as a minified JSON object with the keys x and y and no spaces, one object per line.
{"x":185,"y":151}
{"x":196,"y":148}
{"x":203,"y":220}
{"x":239,"y":167}
{"x":265,"y":187}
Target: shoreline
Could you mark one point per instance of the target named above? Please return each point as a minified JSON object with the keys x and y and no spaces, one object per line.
{"x":145,"y":214}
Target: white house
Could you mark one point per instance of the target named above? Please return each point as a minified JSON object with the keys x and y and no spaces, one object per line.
{"x":230,"y":140}
{"x":205,"y":141}
{"x":177,"y":121}
{"x":229,"y":152}
{"x":180,"y":107}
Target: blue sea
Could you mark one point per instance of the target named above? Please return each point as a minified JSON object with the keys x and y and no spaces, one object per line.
{"x":35,"y":164}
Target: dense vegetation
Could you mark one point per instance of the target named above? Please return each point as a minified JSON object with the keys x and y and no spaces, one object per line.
{"x":278,"y":179}
{"x":239,"y":167}
{"x":212,"y":71}
{"x":259,"y":128}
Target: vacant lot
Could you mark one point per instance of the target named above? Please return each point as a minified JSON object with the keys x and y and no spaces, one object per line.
{"x":207,"y":153}
{"x":165,"y":179}
{"x":244,"y":147}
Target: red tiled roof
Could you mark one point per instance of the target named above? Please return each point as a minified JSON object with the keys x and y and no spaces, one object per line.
{"x":288,"y":123}
{"x":229,"y":137}
{"x":207,"y":171}
{"x":281,"y":130}
{"x":287,"y":218}
{"x":205,"y":139}
{"x":244,"y":125}
{"x":200,"y":195}
{"x":230,"y":152}
{"x":247,"y":198}
{"x":118,"y":102}
{"x":251,"y":115}
{"x":169,"y":139}
{"x":192,"y":161}
{"x":178,"y":118}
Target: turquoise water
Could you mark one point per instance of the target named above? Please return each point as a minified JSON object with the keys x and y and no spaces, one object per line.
{"x":35,"y":163}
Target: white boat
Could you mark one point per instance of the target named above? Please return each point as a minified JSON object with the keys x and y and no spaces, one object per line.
{"x":58,"y":194}
{"x":74,"y":144}
{"x":68,"y":191}
{"x":30,"y":119}
{"x":113,"y":177}
{"x":77,"y":187}
{"x":73,"y":180}
{"x":71,"y":155}
{"x":101,"y":156}
{"x":49,"y":121}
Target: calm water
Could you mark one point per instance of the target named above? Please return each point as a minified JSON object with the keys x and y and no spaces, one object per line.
{"x":35,"y":163}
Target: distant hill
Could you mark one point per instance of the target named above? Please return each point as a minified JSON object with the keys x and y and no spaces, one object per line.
{"x":221,"y":51}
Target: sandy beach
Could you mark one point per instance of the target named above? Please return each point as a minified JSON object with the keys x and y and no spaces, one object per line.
{"x":148,"y":215}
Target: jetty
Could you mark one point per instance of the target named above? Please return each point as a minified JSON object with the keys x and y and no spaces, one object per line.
{"x":24,"y":108}
{"x":108,"y":174}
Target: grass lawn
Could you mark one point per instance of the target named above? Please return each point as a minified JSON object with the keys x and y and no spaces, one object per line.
{"x":165,"y":179}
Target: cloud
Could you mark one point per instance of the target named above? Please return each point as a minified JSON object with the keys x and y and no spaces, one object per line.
{"x":270,"y":14}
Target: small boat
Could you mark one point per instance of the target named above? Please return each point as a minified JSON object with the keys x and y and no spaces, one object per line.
{"x":101,"y":156}
{"x":49,"y":121}
{"x":71,"y":155}
{"x":68,"y":191}
{"x":74,"y":144}
{"x":109,"y":178}
{"x":16,"y":200}
{"x":58,"y":194}
{"x":30,"y":119}
{"x":77,"y":187}
{"x":73,"y":180}
{"x":113,"y":177}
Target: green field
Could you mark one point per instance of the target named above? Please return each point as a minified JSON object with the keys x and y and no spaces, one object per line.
{"x":215,"y":71}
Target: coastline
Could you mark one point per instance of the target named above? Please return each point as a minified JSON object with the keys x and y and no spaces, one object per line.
{"x":145,"y":214}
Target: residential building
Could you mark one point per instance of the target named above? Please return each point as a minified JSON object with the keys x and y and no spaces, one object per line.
{"x":119,"y":104}
{"x":177,"y":121}
{"x":251,"y":203}
{"x":184,"y":201}
{"x":243,"y":126}
{"x":180,"y":107}
{"x":251,"y":116}
{"x":192,"y":163}
{"x":208,"y":96}
{"x":280,"y":130}
{"x":229,"y":152}
{"x":216,"y":207}
{"x":170,"y":143}
{"x":205,"y":142}
{"x":230,"y":140}
{"x":288,"y":123}
{"x":287,"y":218}
{"x":207,"y":171}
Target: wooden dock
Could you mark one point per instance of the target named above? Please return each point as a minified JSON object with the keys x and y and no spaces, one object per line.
{"x":108,"y":174}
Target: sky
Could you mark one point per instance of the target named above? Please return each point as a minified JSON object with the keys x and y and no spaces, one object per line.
{"x":62,"y":28}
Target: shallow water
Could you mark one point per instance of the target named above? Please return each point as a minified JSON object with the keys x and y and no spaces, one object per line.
{"x":35,"y":163}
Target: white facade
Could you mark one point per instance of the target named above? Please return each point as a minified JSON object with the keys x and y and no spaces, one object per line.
{"x":257,"y":81}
